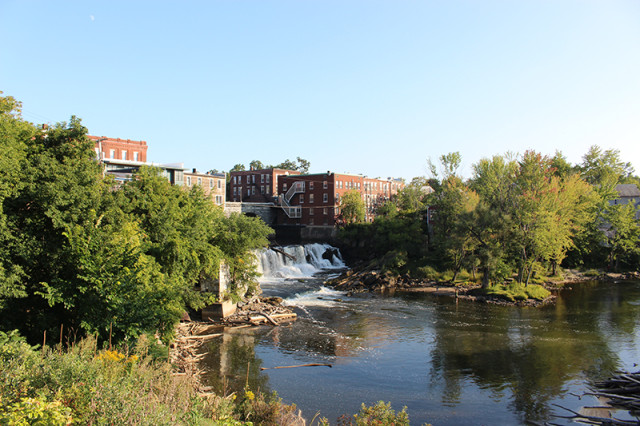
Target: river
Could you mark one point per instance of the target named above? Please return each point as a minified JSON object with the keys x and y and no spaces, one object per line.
{"x":450,"y":362}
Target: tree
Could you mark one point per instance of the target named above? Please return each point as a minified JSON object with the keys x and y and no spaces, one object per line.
{"x":352,"y":207}
{"x":256,"y":165}
{"x":622,"y":233}
{"x":303,"y":165}
{"x":238,"y":168}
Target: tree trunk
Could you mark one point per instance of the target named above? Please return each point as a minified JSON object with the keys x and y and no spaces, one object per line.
{"x":485,"y":278}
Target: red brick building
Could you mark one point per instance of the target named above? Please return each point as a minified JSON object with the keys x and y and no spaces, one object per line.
{"x":314,"y":199}
{"x":120,"y":149}
{"x":256,"y":186}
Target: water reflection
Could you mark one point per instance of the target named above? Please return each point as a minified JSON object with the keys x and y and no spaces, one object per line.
{"x":450,"y":363}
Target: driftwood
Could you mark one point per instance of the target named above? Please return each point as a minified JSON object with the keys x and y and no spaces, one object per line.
{"x":257,"y":319}
{"x":203,"y":336}
{"x":284,"y":253}
{"x":296,"y":366}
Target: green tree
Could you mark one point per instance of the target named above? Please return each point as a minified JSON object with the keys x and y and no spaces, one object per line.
{"x":622,"y":233}
{"x":352,"y":207}
{"x":238,"y":168}
{"x":256,"y":165}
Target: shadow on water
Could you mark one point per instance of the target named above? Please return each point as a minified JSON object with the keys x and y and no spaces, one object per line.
{"x":449,"y":363}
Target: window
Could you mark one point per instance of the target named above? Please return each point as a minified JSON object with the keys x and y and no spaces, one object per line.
{"x":325,"y":211}
{"x":253,"y":178}
{"x":284,"y":187}
{"x":248,"y":179}
{"x":188,"y":180}
{"x":200,"y":181}
{"x":253,"y":190}
{"x":325,"y":198}
{"x":248,"y":192}
{"x":234,"y":190}
{"x":311,"y":198}
{"x":135,"y":156}
{"x":124,"y":154}
{"x":261,"y":178}
{"x":301,"y":198}
{"x":262,"y":189}
{"x":112,"y":153}
{"x":268,"y":178}
{"x":218,"y":199}
{"x":311,"y":185}
{"x":219,"y":183}
{"x":324,"y":185}
{"x":312,"y":211}
{"x":210,"y":183}
{"x":310,"y":221}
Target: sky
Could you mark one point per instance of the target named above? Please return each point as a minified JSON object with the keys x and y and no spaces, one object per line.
{"x":365,"y":87}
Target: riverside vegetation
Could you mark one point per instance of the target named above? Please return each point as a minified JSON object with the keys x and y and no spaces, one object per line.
{"x":520,"y":223}
{"x":106,"y":271}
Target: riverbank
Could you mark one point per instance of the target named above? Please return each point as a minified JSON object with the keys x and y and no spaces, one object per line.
{"x":363,"y":279}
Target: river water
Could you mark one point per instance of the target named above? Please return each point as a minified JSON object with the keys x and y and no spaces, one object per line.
{"x":450,"y":362}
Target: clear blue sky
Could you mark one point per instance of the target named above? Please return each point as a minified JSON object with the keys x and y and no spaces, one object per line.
{"x":371,"y":87}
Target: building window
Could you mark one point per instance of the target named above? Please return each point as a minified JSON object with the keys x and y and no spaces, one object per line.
{"x":253,"y":190}
{"x":200,"y":181}
{"x":135,"y":156}
{"x":310,"y":221}
{"x":325,"y":198}
{"x":325,"y":185}
{"x":324,"y":211}
{"x":188,"y":180}
{"x":219,"y":183}
{"x":124,"y":154}
{"x":112,"y":153}
{"x":248,"y":192}
{"x":301,"y":198}
{"x":248,"y":181}
{"x":211,"y":183}
{"x":262,"y":189}
{"x":261,"y":178}
{"x":311,"y":198}
{"x":253,"y":178}
{"x":268,"y":178}
{"x":312,"y":211}
{"x":311,"y":185}
{"x":284,"y":187}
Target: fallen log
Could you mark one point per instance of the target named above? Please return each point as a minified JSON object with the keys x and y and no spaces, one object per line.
{"x":296,"y":366}
{"x":284,"y":253}
{"x":260,"y":318}
{"x":204,"y":336}
{"x":271,"y":320}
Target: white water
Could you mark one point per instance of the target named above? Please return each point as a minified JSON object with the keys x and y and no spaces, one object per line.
{"x":298,"y":279}
{"x":306,"y":261}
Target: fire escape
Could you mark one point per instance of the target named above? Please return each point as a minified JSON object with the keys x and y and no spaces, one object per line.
{"x":285,"y":200}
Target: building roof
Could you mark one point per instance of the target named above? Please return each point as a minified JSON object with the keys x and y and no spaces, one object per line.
{"x":628,"y":190}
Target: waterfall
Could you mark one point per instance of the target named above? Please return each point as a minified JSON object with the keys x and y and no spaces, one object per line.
{"x":299,"y":261}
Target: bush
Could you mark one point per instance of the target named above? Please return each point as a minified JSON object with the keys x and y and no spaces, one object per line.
{"x":381,"y":414}
{"x":518,"y":291}
{"x":427,"y":273}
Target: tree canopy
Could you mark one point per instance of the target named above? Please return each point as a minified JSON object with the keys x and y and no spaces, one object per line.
{"x":75,"y":251}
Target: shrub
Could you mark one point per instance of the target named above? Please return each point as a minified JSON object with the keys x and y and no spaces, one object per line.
{"x":518,"y":291}
{"x":381,"y":414}
{"x":426,"y":272}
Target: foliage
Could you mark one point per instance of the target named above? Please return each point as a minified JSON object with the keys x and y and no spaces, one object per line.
{"x":352,"y":207}
{"x":381,"y":414}
{"x":120,"y":261}
{"x":517,"y":291}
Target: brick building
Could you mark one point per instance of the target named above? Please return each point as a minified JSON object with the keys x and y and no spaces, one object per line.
{"x":314,"y":199}
{"x":213,"y":184}
{"x":120,"y":149}
{"x":256,"y":186}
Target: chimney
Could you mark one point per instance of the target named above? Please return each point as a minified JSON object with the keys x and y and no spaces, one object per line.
{"x":195,"y":171}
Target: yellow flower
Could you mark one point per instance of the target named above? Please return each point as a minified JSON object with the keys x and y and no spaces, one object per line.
{"x":249,"y":395}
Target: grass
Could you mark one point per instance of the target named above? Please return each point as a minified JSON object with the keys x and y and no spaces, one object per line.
{"x":518,"y":292}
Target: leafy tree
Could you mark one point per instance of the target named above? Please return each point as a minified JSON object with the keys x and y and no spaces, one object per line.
{"x":238,"y":168}
{"x":352,"y":207}
{"x":256,"y":165}
{"x":413,"y":197}
{"x":622,"y":233}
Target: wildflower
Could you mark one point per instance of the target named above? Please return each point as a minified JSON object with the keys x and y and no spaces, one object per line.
{"x":249,"y":395}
